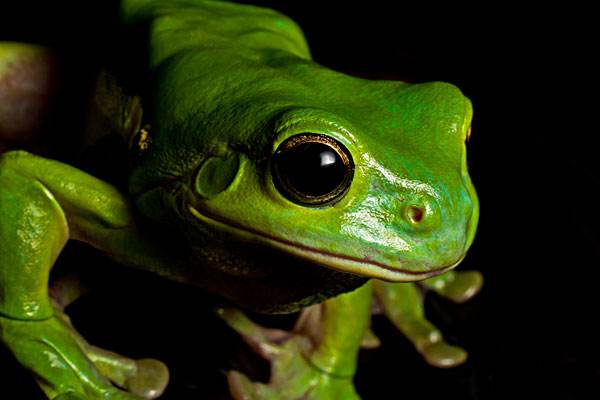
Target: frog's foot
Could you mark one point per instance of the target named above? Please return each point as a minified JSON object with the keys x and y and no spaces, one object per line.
{"x":67,"y":367}
{"x":48,"y":349}
{"x":293,"y":376}
{"x":403,"y":304}
{"x":458,"y":286}
{"x":146,"y":378}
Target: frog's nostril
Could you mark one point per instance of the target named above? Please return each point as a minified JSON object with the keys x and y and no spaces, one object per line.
{"x":414,"y":214}
{"x":420,"y":214}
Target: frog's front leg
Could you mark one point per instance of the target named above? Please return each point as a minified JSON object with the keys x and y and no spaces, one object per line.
{"x":43,"y":203}
{"x":403,"y":304}
{"x":315,"y":361}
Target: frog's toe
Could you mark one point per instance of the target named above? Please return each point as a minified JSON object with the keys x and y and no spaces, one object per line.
{"x":242,"y":388}
{"x":146,"y":378}
{"x":458,"y":286}
{"x":370,"y":340}
{"x":150,"y":380}
{"x":264,"y":341}
{"x":465,"y":285}
{"x":443,"y":355}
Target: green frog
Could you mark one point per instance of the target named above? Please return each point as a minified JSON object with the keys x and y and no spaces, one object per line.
{"x":255,"y":174}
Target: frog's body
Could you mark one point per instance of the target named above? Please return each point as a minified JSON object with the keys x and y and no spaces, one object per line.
{"x":217,"y":197}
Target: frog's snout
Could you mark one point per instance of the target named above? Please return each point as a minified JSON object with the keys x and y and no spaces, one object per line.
{"x":438,"y":225}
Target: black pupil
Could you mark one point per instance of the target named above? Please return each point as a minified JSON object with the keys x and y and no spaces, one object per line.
{"x":311,"y":169}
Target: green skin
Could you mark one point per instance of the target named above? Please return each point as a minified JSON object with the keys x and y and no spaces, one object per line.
{"x":230,"y":83}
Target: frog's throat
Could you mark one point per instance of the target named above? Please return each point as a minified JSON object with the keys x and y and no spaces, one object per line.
{"x":340,"y":262}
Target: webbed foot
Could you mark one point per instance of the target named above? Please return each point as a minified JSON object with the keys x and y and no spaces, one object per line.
{"x":403,"y":304}
{"x":293,"y":375}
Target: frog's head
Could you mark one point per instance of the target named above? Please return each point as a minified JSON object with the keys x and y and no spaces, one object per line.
{"x":364,"y":177}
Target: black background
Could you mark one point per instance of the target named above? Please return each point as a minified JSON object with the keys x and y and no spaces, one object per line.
{"x":532,"y":331}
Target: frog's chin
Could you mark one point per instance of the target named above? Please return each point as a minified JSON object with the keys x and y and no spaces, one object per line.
{"x":340,"y":262}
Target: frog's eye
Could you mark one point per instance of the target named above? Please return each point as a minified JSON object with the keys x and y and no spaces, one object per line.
{"x":312,"y":169}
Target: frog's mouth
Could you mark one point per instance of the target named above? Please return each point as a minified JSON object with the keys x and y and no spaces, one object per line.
{"x":340,"y":262}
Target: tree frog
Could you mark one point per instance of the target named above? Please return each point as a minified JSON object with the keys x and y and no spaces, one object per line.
{"x":253,"y":173}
